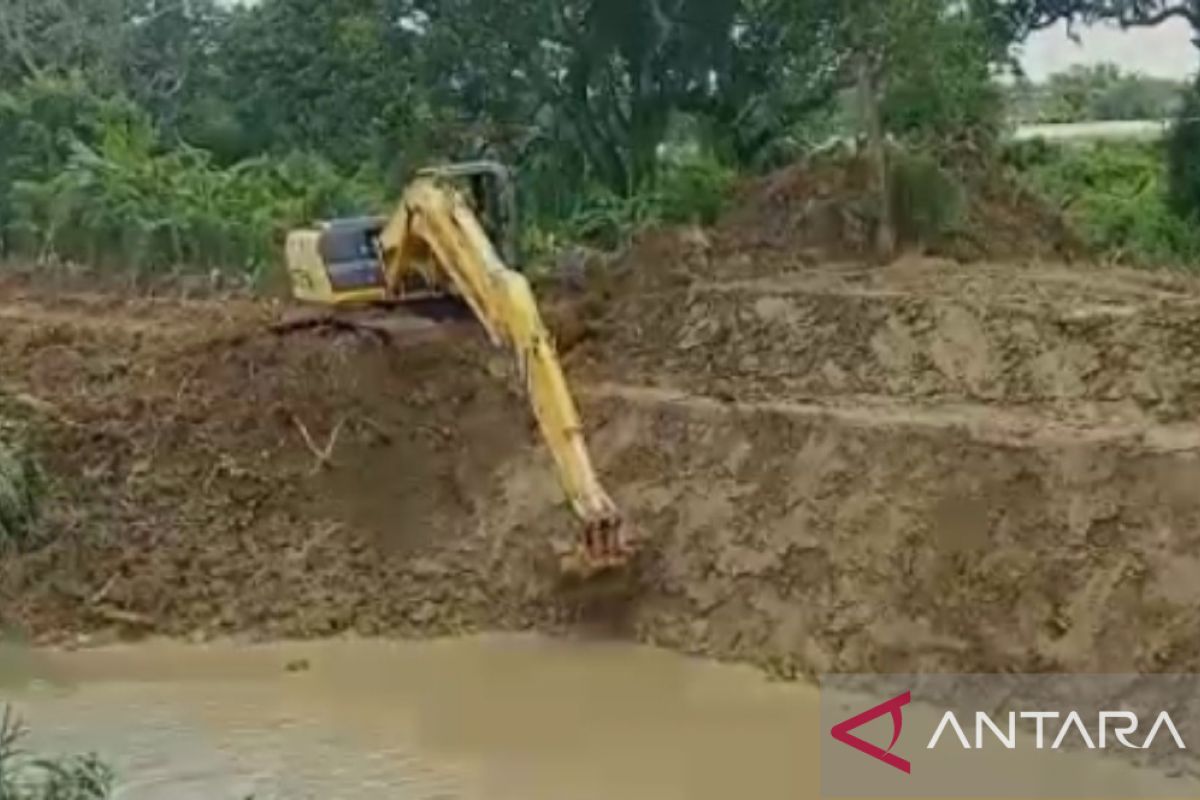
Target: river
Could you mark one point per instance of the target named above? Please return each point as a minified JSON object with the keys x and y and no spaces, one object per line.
{"x":493,"y":717}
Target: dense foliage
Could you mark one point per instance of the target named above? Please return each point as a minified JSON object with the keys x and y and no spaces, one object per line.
{"x":188,"y":134}
{"x":90,"y":178}
{"x":942,"y":79}
{"x":122,"y":200}
{"x":201,"y":130}
{"x":1116,"y":194}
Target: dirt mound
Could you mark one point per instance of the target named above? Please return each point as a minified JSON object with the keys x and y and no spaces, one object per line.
{"x":1006,"y":221}
{"x":214,"y":476}
{"x":817,"y":210}
{"x":823,"y":210}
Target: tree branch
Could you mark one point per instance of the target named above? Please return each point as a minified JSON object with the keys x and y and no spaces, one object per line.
{"x":1142,"y":19}
{"x":13,"y":35}
{"x":1043,"y":14}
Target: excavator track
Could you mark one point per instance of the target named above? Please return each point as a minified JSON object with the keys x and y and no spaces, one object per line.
{"x":399,"y":324}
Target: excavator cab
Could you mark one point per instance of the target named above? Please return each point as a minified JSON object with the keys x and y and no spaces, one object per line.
{"x":338,"y":262}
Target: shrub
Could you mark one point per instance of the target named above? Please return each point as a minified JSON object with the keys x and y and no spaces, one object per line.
{"x":1116,"y":195}
{"x":25,"y":777}
{"x":928,"y":201}
{"x":691,"y":189}
{"x":124,"y":204}
{"x":21,"y":486}
{"x":694,"y":189}
{"x":87,"y":178}
{"x":39,"y":124}
{"x":607,"y":220}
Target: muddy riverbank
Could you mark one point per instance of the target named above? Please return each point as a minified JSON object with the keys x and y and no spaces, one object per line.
{"x":963,"y":469}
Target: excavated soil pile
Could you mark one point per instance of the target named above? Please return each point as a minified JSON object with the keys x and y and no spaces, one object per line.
{"x":218,"y":470}
{"x":927,"y":466}
{"x":822,"y":209}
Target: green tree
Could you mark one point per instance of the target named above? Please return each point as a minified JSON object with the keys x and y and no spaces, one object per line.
{"x":1104,"y":92}
{"x":1138,"y":97}
{"x":1072,"y":96}
{"x":40,"y":123}
{"x":47,"y":38}
{"x":1183,"y":158}
{"x":942,"y":72}
{"x":605,"y":79}
{"x":336,"y":76}
{"x":923,"y":70}
{"x":163,"y":54}
{"x":171,"y":55}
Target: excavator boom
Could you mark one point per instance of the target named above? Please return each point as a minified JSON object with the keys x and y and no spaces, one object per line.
{"x":435,"y":236}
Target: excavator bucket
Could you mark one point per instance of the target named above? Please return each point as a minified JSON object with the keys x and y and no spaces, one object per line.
{"x":606,"y":547}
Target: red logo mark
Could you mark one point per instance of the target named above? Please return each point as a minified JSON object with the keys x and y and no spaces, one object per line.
{"x":841,"y":731}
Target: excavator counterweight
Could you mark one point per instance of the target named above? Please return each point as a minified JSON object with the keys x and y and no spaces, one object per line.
{"x":439,"y":243}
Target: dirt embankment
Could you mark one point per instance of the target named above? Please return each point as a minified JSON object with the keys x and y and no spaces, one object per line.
{"x":213,"y":476}
{"x":928,"y":466}
{"x":1059,"y":341}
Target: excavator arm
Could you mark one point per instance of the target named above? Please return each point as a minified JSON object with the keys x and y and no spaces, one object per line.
{"x":435,"y":233}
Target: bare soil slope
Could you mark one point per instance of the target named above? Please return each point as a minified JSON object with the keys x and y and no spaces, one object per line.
{"x":928,"y":466}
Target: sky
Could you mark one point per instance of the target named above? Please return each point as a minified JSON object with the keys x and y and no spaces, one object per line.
{"x":1166,"y":51}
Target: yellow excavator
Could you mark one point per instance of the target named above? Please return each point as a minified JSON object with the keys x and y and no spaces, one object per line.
{"x":454,"y":233}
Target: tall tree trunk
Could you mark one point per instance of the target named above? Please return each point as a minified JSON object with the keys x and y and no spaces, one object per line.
{"x":877,"y":157}
{"x":646,"y":132}
{"x":600,"y":146}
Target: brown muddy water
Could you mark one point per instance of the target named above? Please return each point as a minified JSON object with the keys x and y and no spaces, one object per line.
{"x":496,"y":718}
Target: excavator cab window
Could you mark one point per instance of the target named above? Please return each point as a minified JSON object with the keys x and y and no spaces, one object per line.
{"x":350,"y":250}
{"x":485,"y":201}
